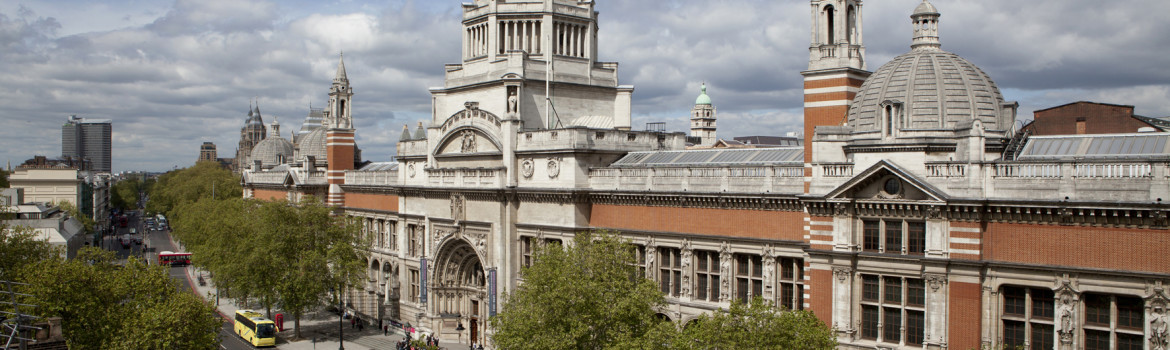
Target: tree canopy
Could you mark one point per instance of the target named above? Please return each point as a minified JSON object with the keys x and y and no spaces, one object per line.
{"x":106,"y":305}
{"x":190,"y":184}
{"x":124,"y":194}
{"x":273,"y":252}
{"x":587,"y":295}
{"x":3,"y":179}
{"x":69,"y":207}
{"x":19,"y":247}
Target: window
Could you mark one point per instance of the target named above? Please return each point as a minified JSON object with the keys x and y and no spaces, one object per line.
{"x":893,"y":308}
{"x":894,"y":236}
{"x":525,"y":251}
{"x":1113,"y":318}
{"x":412,"y":232}
{"x":791,"y":281}
{"x":1028,"y":317}
{"x":749,"y":277}
{"x":414,"y":285}
{"x":640,"y":259}
{"x":670,"y":271}
{"x":392,"y":233}
{"x":706,"y":275}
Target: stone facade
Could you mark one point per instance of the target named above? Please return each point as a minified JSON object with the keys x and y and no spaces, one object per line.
{"x":897,"y":235}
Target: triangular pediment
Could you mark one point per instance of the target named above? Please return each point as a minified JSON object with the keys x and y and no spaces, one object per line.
{"x":887,"y":181}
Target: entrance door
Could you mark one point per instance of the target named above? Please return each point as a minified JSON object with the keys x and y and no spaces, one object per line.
{"x":474,"y":321}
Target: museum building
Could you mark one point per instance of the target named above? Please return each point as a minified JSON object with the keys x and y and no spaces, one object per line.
{"x":916,"y":214}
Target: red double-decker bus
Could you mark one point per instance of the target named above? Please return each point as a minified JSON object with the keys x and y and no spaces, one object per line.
{"x":174,"y":259}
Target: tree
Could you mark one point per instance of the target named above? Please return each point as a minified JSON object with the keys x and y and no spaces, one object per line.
{"x":3,"y":179}
{"x":124,"y":194}
{"x":20,"y":246}
{"x":587,"y":295}
{"x":273,"y":252}
{"x":754,"y":325}
{"x":189,"y":185}
{"x":106,"y":305}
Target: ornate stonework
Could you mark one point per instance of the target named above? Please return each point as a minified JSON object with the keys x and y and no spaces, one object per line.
{"x":842,"y":273}
{"x":935,"y":281}
{"x":554,"y":167}
{"x":1158,"y":316}
{"x":526,"y":168}
{"x":1067,"y":298}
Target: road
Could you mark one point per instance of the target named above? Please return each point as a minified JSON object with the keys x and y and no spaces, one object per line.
{"x":157,"y":241}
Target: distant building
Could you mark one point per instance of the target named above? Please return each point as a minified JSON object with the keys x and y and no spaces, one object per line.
{"x":88,"y":139}
{"x":251,"y":134}
{"x":1080,"y":118}
{"x":48,"y":181}
{"x":207,"y":152}
{"x":703,"y":120}
{"x":49,"y":223}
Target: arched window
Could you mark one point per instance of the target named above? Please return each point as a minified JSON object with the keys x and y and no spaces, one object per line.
{"x":889,"y":112}
{"x":829,"y":25}
{"x":341,"y":112}
{"x":851,"y":25}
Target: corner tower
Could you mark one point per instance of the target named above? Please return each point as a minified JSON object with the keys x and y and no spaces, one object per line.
{"x":339,"y":135}
{"x":836,"y":67}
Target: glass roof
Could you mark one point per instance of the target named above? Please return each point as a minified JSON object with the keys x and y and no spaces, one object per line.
{"x":715,"y":157}
{"x":1143,"y":145}
{"x":381,"y":166}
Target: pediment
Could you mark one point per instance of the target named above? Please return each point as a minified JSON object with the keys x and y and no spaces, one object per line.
{"x":887,"y":181}
{"x":469,"y":141}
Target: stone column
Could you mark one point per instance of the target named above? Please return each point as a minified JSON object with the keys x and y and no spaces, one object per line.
{"x":843,"y":301}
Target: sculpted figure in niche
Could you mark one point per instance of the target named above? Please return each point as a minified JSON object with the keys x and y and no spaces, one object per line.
{"x":513,"y":101}
{"x":468,"y":145}
{"x":1065,"y":310}
{"x":1159,"y":327}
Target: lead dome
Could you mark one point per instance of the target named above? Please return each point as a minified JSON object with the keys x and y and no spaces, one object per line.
{"x":928,"y":89}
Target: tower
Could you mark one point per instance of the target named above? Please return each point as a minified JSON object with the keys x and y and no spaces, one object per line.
{"x":703,"y":119}
{"x":836,"y":67}
{"x":83,"y":138}
{"x":339,"y":135}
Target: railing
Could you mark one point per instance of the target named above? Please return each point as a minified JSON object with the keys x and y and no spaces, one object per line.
{"x":465,"y":177}
{"x":739,"y":179}
{"x":837,"y":170}
{"x":946,"y":170}
{"x":1028,"y":170}
{"x":1133,"y":170}
{"x":828,"y":51}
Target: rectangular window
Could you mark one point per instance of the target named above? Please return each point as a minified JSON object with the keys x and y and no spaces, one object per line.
{"x":790,"y":283}
{"x":872,"y":235}
{"x":1096,"y":340}
{"x":1097,"y":310}
{"x":670,"y":270}
{"x":893,"y":237}
{"x":915,"y":292}
{"x":706,"y":275}
{"x":1042,"y":303}
{"x":392,"y":230}
{"x":1130,"y":342}
{"x":915,"y":327}
{"x":414,"y":285}
{"x":412,"y":233}
{"x":891,"y":325}
{"x":1129,"y":313}
{"x":869,"y":321}
{"x":893,"y":290}
{"x":916,"y":237}
{"x":640,"y":259}
{"x":1013,"y":334}
{"x":525,"y":251}
{"x":1042,"y":336}
{"x":1014,"y":301}
{"x":749,"y":279}
{"x":870,"y":290}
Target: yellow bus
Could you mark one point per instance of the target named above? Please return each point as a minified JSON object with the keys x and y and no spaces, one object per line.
{"x":255,"y":329}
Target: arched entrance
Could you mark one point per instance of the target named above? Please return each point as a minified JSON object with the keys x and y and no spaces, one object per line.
{"x":460,"y":291}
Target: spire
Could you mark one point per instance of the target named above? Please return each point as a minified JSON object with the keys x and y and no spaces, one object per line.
{"x":275,"y":127}
{"x":420,"y":134}
{"x":925,"y":19}
{"x":340,"y":78}
{"x":405,"y":133}
{"x":250,"y":109}
{"x":257,"y":109}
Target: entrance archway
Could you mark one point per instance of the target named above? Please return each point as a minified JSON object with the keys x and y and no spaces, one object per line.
{"x":460,"y":290}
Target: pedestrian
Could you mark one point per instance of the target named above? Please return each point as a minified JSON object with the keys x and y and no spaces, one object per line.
{"x":352,"y":322}
{"x":385,"y":330}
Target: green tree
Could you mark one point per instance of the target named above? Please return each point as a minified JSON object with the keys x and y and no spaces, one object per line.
{"x":189,"y":185}
{"x":124,"y":194}
{"x":587,"y":295}
{"x":273,"y":252}
{"x":754,"y":325}
{"x":20,"y":246}
{"x":106,"y":305}
{"x":3,"y":179}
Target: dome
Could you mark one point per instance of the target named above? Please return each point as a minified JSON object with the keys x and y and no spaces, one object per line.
{"x":925,"y":8}
{"x":272,"y":151}
{"x":928,"y":89}
{"x":312,"y":144}
{"x":703,"y":99}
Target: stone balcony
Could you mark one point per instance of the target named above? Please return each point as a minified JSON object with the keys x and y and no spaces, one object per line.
{"x":787,"y":180}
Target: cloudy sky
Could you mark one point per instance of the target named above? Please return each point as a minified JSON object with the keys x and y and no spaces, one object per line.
{"x":172,"y":74}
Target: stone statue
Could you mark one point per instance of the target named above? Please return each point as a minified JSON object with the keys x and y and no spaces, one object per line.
{"x":512,"y":102}
{"x":1067,"y":318}
{"x":468,"y":145}
{"x":1159,"y":327}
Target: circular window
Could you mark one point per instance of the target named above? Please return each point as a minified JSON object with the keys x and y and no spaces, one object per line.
{"x":893,"y":186}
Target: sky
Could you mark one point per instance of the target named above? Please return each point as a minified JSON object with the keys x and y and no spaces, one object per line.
{"x":173,"y":74}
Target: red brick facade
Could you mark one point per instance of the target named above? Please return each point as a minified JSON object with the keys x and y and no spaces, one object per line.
{"x":778,"y":225}
{"x":1090,"y":117}
{"x":1076,"y":246}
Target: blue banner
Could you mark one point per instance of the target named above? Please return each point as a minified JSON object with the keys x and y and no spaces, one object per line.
{"x":422,"y":282}
{"x":492,"y":292}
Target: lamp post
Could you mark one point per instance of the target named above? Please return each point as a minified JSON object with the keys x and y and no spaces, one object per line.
{"x":341,"y":321}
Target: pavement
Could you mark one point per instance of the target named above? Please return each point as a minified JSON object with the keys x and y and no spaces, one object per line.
{"x":319,"y":328}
